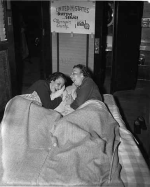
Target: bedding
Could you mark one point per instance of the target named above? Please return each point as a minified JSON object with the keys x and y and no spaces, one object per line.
{"x":88,"y":147}
{"x":63,"y":108}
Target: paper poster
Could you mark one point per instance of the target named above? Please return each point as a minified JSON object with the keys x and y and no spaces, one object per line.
{"x":73,"y":17}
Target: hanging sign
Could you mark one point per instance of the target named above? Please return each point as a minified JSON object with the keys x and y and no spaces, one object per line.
{"x":73,"y":17}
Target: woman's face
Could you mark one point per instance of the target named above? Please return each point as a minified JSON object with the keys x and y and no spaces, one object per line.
{"x":77,"y":76}
{"x":57,"y":84}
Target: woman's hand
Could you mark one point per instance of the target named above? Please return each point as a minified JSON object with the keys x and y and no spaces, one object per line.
{"x":69,"y":99}
{"x":57,"y":93}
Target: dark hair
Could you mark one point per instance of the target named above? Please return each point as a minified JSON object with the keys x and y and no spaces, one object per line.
{"x":83,"y":69}
{"x":55,"y":76}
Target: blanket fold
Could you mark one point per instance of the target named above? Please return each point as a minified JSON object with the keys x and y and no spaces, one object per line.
{"x":79,"y":149}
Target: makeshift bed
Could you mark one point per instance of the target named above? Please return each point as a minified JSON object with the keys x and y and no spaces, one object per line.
{"x":88,"y":147}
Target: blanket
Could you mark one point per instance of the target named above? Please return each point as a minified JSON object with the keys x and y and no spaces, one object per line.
{"x":40,"y":147}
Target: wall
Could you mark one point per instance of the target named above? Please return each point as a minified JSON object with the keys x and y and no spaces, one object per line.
{"x":7,"y":59}
{"x":72,"y":50}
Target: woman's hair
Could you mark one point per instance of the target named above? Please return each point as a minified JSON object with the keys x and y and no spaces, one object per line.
{"x":55,"y":76}
{"x":83,"y":70}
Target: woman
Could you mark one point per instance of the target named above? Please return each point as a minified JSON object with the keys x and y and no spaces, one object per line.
{"x":86,"y":87}
{"x":48,"y":91}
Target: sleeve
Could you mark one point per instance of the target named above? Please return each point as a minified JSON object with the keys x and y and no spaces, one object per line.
{"x":54,"y":103}
{"x":45,"y":98}
{"x":43,"y":91}
{"x":82,"y":94}
{"x":47,"y":102}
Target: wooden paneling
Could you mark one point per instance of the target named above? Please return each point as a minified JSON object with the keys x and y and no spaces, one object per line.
{"x":2,"y":22}
{"x":5,"y":86}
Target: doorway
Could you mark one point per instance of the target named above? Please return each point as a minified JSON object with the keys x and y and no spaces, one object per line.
{"x":122,"y":49}
{"x":109,"y":42}
{"x":27,"y":38}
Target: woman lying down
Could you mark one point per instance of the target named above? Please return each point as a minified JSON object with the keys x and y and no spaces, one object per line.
{"x":82,"y":89}
{"x":53,"y":95}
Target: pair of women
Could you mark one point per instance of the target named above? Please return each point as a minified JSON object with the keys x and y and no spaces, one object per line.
{"x":86,"y":88}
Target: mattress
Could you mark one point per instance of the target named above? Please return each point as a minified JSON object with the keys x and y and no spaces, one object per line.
{"x":135,"y":171}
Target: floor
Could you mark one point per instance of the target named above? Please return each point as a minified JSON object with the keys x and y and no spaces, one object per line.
{"x":133,"y":104}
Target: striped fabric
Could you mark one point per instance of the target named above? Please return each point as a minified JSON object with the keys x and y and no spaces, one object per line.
{"x":33,"y":97}
{"x":135,"y":172}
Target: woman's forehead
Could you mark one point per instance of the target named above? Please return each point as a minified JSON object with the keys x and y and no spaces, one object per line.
{"x":60,"y":80}
{"x":77,"y":70}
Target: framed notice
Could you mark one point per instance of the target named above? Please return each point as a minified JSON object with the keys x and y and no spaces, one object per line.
{"x":73,"y":17}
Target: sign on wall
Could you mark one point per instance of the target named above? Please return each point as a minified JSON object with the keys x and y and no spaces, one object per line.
{"x":73,"y":17}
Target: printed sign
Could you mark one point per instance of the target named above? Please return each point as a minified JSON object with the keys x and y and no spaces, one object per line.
{"x":73,"y":17}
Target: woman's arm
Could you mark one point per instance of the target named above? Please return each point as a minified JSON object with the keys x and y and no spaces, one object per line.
{"x":57,"y":93}
{"x":83,"y":93}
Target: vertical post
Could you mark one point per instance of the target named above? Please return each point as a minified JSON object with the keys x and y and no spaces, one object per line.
{"x":100,"y":36}
{"x":42,"y":63}
{"x":57,"y":52}
{"x":87,"y":50}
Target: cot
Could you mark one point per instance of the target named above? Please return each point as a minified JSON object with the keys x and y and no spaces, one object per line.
{"x":88,"y":147}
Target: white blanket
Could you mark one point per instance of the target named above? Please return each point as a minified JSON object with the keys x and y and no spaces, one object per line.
{"x":40,"y":147}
